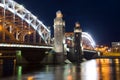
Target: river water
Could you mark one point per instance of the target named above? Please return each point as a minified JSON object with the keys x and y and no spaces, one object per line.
{"x":96,"y":69}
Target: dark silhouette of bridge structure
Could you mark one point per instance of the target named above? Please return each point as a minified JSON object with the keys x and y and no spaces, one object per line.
{"x":21,"y":31}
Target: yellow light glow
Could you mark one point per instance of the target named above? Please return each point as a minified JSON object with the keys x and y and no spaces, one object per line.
{"x":30,"y":78}
{"x":69,"y":77}
{"x":29,"y":32}
{"x":0,"y":54}
{"x":0,"y":28}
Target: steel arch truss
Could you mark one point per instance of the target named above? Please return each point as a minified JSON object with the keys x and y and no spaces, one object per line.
{"x":22,"y":16}
{"x":87,"y":40}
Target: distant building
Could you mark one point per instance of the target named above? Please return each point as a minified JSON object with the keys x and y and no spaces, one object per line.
{"x":116,"y":47}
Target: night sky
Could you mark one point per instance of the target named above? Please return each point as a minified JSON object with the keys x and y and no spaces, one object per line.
{"x":100,"y":18}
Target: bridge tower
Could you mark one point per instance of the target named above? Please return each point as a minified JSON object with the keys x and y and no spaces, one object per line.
{"x":59,"y":28}
{"x":77,"y":42}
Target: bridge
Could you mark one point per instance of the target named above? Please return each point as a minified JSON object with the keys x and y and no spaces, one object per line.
{"x":17,"y":24}
{"x":21,"y":30}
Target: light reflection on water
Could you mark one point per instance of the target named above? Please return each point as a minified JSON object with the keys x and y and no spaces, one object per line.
{"x":99,"y":69}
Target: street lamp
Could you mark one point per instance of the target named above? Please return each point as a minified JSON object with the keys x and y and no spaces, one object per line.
{"x":29,"y":32}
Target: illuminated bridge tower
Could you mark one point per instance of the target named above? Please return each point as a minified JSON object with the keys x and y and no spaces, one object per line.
{"x":59,"y":27}
{"x":77,"y":42}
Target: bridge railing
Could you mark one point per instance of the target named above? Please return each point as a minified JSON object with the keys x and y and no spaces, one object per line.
{"x":34,"y":44}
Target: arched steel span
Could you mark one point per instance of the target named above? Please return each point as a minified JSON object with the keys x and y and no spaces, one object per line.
{"x":85,"y":36}
{"x":27,"y":16}
{"x":89,"y":38}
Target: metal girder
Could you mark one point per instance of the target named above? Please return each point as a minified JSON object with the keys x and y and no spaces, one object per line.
{"x":26,"y":16}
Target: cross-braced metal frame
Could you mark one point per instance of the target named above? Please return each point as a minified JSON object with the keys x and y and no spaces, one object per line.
{"x":18,"y":22}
